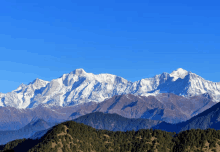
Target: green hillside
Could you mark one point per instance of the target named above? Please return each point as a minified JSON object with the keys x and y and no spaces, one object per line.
{"x":71,"y":136}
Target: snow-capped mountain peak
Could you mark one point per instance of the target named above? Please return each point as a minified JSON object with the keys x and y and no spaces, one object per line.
{"x":38,"y":82}
{"x":78,"y":72}
{"x":179,"y":73}
{"x":21,"y":86}
{"x":80,"y":87}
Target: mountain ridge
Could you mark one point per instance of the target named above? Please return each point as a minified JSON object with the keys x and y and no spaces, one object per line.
{"x":25,"y":132}
{"x":79,"y":87}
{"x":72,"y":136}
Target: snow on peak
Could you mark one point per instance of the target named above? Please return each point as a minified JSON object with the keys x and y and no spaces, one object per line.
{"x":78,"y":72}
{"x":80,"y":87}
{"x":37,"y":80}
{"x":21,"y":86}
{"x":179,"y":73}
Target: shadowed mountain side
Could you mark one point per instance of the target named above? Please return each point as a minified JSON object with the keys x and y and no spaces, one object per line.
{"x":25,"y":132}
{"x":166,"y":107}
{"x":114,"y":122}
{"x":167,"y":127}
{"x":210,"y":118}
{"x":39,"y":134}
{"x":207,"y":119}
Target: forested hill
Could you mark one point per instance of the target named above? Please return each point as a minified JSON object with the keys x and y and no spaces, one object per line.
{"x":71,"y":136}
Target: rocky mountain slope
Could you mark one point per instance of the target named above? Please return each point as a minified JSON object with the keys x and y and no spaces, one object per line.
{"x":165,"y":107}
{"x":209,"y":118}
{"x":80,"y":87}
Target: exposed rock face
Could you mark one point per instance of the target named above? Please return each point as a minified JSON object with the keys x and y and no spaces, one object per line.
{"x":80,"y":87}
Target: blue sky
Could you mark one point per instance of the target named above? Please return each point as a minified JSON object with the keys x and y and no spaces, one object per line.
{"x":132,"y":39}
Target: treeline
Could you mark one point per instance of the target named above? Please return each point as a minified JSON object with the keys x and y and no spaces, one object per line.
{"x":71,"y":136}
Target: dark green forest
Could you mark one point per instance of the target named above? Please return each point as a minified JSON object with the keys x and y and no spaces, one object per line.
{"x":71,"y":136}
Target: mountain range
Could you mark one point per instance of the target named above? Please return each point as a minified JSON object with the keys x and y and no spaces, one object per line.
{"x":166,"y":107}
{"x":122,"y":112}
{"x":177,"y":101}
{"x":72,"y":136}
{"x":210,"y":118}
{"x":79,"y":87}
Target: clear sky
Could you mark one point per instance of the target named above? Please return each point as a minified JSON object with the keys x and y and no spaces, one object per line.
{"x":132,"y":39}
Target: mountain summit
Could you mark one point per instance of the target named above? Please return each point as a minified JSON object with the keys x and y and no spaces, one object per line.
{"x":78,"y":72}
{"x":80,"y":87}
{"x":179,"y":73}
